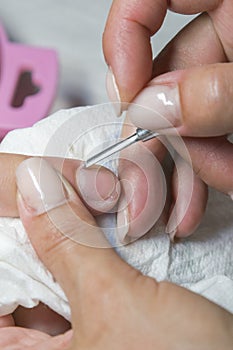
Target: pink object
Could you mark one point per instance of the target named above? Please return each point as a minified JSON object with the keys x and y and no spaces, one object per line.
{"x":18,"y":63}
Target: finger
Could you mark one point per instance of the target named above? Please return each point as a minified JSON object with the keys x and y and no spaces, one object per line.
{"x":66,"y":237}
{"x":98,"y":187}
{"x":189,"y":7}
{"x":12,"y":336}
{"x":179,"y":54}
{"x":22,"y":338}
{"x":143,"y":187}
{"x":222,"y":20}
{"x":8,"y":165}
{"x":59,"y":342}
{"x":6,"y":321}
{"x":126,"y":41}
{"x":211,"y":160}
{"x":126,"y":44}
{"x":194,"y":102}
{"x":143,"y":195}
{"x":187,"y":211}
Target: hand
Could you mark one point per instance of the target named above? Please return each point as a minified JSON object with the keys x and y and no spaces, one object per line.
{"x":200,"y":56}
{"x":108,"y":188}
{"x":113,"y":305}
{"x":40,"y":317}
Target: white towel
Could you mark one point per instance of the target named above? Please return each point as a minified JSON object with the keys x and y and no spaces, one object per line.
{"x":202,"y":263}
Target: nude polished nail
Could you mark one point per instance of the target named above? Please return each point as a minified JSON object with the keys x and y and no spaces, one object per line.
{"x":123,"y":220}
{"x":157,"y":107}
{"x":40,"y":186}
{"x":113,"y":92}
{"x":98,"y":187}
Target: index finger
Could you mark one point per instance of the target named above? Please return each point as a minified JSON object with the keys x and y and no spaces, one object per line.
{"x":100,"y":193}
{"x":126,"y":40}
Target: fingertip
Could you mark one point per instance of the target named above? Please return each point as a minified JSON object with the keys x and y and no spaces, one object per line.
{"x":40,"y":186}
{"x":123,"y":221}
{"x":98,"y":187}
{"x":127,"y":49}
{"x":143,"y":193}
{"x":189,"y":203}
{"x":7,"y":321}
{"x":195,"y":212}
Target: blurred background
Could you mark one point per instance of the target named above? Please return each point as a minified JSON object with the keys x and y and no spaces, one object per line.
{"x":74,"y":29}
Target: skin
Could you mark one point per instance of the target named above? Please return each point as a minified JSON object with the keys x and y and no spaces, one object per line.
{"x":126,"y":40}
{"x":192,"y":304}
{"x":40,"y":317}
{"x":114,"y":289}
{"x":126,"y":43}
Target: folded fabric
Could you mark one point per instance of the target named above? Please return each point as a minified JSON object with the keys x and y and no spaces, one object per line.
{"x":202,"y":263}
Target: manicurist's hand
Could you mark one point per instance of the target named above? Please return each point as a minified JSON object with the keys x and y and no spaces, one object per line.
{"x":113,"y":305}
{"x":193,"y":96}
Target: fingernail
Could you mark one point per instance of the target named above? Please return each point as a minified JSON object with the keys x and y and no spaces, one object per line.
{"x":40,"y":186}
{"x":156,"y":107}
{"x":171,"y":228}
{"x":97,"y":186}
{"x":172,"y":235}
{"x":113,"y":92}
{"x":123,"y":221}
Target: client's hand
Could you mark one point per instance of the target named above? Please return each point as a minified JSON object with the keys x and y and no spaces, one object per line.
{"x":100,"y":199}
{"x":113,"y":305}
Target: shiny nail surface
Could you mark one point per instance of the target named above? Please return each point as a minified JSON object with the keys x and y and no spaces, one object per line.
{"x":171,"y":228}
{"x":156,"y":107}
{"x":40,"y":186}
{"x":98,"y":186}
{"x":122,"y":220}
{"x":113,"y":92}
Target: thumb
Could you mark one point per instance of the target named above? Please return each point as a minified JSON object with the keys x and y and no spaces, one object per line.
{"x":62,"y":231}
{"x":194,"y":101}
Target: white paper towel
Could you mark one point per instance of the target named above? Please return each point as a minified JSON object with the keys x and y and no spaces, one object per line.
{"x":202,"y":263}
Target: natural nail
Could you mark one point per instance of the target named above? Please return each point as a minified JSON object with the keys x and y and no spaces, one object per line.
{"x":123,"y":220}
{"x":113,"y":92}
{"x":97,"y":185}
{"x":171,"y":228}
{"x":39,"y":185}
{"x":156,"y":107}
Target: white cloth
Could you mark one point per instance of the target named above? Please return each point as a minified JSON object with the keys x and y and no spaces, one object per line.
{"x":202,"y":263}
